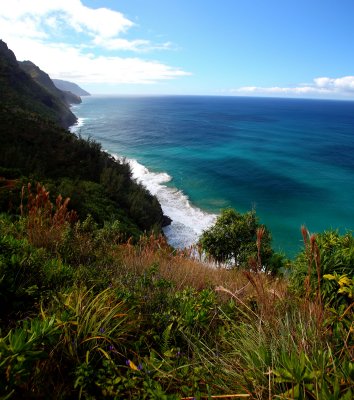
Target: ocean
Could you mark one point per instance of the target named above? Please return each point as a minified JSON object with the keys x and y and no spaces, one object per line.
{"x":290,"y":159}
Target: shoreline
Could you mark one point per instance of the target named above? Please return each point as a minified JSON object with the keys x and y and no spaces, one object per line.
{"x":187,"y":221}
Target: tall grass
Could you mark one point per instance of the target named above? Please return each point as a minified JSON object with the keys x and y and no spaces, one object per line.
{"x":161,"y":323}
{"x":281,"y":346}
{"x":176,"y":266}
{"x":92,"y":322}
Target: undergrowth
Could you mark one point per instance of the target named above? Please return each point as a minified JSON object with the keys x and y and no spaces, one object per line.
{"x":86,"y":313}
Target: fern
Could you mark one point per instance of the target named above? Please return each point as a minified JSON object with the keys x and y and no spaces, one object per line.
{"x":166,"y":339}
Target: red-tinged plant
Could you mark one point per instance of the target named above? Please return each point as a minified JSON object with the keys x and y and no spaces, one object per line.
{"x":46,"y":222}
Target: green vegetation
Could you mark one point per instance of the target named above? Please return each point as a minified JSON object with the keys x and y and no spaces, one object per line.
{"x":20,"y":92}
{"x":33,"y":147}
{"x":44,"y":80}
{"x":87,"y":314}
{"x":239,"y":240}
{"x":91,"y":307}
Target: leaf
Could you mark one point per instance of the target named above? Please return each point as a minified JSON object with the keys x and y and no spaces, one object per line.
{"x":348,"y":395}
{"x":293,"y":393}
{"x":344,"y":281}
{"x":329,"y":277}
{"x":345,"y":290}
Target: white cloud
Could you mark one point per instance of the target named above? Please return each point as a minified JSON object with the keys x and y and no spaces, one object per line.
{"x":83,"y":67}
{"x":343,"y":86}
{"x":100,"y":22}
{"x":65,"y":38}
{"x":137,"y":45}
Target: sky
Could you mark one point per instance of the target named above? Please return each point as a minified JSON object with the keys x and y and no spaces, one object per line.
{"x":282,"y":48}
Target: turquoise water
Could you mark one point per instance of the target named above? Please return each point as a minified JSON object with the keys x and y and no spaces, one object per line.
{"x":291,"y":159}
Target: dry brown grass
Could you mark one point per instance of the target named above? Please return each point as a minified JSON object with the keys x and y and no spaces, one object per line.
{"x":187,"y":269}
{"x":177,"y":266}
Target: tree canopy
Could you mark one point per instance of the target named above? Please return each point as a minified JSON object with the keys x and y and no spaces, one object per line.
{"x":233,"y":239}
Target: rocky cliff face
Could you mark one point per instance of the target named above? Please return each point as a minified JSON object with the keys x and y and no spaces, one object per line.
{"x":19,"y":90}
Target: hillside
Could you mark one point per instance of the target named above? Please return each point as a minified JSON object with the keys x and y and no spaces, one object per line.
{"x":19,"y":91}
{"x":32,"y":144}
{"x":93,"y":307}
{"x":44,"y":80}
{"x":71,"y":87}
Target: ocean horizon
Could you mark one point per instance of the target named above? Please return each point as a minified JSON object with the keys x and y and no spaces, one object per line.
{"x":290,"y":159}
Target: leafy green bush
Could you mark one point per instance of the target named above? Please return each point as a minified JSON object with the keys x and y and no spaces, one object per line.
{"x":97,"y":323}
{"x":238,"y":239}
{"x":21,"y":350}
{"x":335,"y":256}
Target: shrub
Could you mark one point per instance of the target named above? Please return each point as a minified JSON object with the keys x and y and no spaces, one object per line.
{"x":21,"y":351}
{"x":46,"y":223}
{"x":334,"y":255}
{"x":233,"y":240}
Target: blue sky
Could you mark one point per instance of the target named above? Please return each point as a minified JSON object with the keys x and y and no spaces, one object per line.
{"x":288,"y":48}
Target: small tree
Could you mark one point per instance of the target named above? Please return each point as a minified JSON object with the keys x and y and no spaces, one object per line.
{"x":233,"y":239}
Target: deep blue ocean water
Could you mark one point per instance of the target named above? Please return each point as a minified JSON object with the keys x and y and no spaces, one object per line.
{"x":290,"y":159}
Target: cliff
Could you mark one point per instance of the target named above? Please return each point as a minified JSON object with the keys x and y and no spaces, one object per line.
{"x":44,"y":80}
{"x":19,"y":91}
{"x":67,"y":86}
{"x":33,"y":146}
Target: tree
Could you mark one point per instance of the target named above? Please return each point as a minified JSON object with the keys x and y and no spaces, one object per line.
{"x":233,"y":239}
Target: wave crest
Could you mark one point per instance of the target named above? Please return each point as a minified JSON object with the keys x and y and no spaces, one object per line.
{"x":188,"y":221}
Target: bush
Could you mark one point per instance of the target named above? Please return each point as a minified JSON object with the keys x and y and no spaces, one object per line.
{"x":239,"y":240}
{"x":21,"y":351}
{"x":324,"y":253}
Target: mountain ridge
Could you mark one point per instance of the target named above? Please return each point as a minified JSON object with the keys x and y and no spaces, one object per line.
{"x":70,"y":87}
{"x":44,"y":80}
{"x":20,"y":91}
{"x":35,"y":147}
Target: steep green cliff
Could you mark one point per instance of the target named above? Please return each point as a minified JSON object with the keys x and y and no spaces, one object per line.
{"x":34,"y":145}
{"x":44,"y":80}
{"x":19,"y":91}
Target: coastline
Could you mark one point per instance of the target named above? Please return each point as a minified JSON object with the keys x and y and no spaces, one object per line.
{"x":187,"y":221}
{"x":239,"y":153}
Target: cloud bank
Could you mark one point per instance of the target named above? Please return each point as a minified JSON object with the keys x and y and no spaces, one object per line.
{"x":322,"y":86}
{"x":72,"y":41}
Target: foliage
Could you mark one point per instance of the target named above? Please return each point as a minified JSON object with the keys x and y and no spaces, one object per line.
{"x":138,"y":334}
{"x":189,"y":312}
{"x":233,"y":240}
{"x":334,"y":252}
{"x":94,"y":323}
{"x":21,"y":277}
{"x":32,"y":144}
{"x":320,"y":272}
{"x":92,"y":308}
{"x":20,"y":91}
{"x":20,"y":350}
{"x":46,"y":222}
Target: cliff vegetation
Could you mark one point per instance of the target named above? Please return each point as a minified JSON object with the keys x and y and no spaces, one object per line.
{"x":95,"y":304}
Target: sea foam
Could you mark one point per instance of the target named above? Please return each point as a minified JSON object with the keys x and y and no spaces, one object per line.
{"x":79,"y":123}
{"x":188,"y":221}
